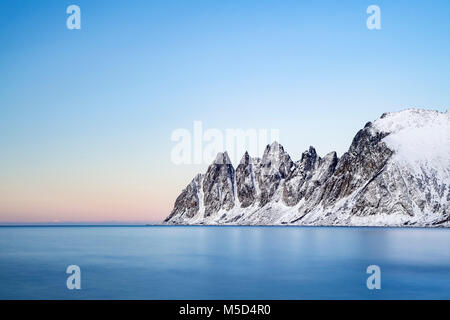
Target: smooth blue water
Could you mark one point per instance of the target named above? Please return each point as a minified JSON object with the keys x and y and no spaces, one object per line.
{"x":223,"y":262}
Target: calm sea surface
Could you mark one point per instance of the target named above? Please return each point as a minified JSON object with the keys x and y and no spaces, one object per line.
{"x":223,"y":262}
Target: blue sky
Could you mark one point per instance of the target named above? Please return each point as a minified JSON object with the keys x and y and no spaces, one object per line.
{"x":86,"y":115}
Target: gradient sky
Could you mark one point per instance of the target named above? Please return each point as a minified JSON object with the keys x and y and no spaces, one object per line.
{"x":86,"y":115}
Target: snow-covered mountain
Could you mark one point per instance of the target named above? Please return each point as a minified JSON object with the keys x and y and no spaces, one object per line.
{"x":395,"y":173}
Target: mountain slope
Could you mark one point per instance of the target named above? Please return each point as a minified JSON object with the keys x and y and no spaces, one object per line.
{"x":396,"y":172}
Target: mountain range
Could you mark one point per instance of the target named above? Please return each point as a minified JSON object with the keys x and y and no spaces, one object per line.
{"x":395,"y":173}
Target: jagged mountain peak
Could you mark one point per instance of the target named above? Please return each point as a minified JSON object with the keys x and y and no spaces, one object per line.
{"x":273,"y":151}
{"x":330,"y":155}
{"x":245,"y":158}
{"x":222,"y":158}
{"x":310,"y":152}
{"x":276,"y":161}
{"x":309,"y":158}
{"x":274,"y":145}
{"x":396,"y":172}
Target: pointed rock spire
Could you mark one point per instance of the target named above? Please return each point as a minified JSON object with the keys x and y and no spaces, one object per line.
{"x":218,"y":185}
{"x":222,"y":158}
{"x":246,"y":175}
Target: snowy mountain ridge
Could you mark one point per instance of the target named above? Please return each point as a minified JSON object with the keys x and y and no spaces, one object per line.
{"x":395,"y":173}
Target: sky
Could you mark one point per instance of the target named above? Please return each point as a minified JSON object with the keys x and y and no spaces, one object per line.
{"x":87,"y":116}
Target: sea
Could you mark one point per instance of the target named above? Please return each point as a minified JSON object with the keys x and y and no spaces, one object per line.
{"x":207,"y":262}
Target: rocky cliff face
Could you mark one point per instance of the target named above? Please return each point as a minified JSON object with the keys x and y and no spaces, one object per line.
{"x":247,"y":173}
{"x":396,"y":172}
{"x":219,"y":185}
